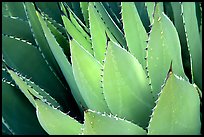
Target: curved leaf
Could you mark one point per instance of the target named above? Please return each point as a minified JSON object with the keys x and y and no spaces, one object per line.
{"x":62,"y":60}
{"x":55,"y":122}
{"x":9,"y":27}
{"x":103,"y":124}
{"x":178,"y":109}
{"x":28,"y":88}
{"x":10,"y":8}
{"x":193,"y":40}
{"x":84,"y":10}
{"x":110,"y":24}
{"x":135,"y":32}
{"x":87,"y":71}
{"x":40,"y":37}
{"x":71,"y":29}
{"x":39,"y":72}
{"x":18,"y":113}
{"x":127,"y":92}
{"x":163,"y":47}
{"x":98,"y":36}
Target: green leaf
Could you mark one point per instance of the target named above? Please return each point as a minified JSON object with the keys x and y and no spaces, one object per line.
{"x":150,"y":10}
{"x":178,"y":22}
{"x":177,"y":110}
{"x":77,"y":35}
{"x":127,"y":92}
{"x":135,"y":32}
{"x":28,"y":88}
{"x":51,"y":9}
{"x":40,"y":37}
{"x":61,"y":39}
{"x":10,"y":8}
{"x":78,"y":24}
{"x":112,"y":10}
{"x":98,"y":36}
{"x":110,"y":24}
{"x":9,"y":27}
{"x":88,"y":77}
{"x":84,"y":10}
{"x":63,"y":9}
{"x":76,"y":9}
{"x":60,"y":27}
{"x":193,"y":40}
{"x":102,"y":124}
{"x":18,"y":113}
{"x":39,"y":72}
{"x":142,"y":11}
{"x":55,"y":122}
{"x":163,"y":47}
{"x":62,"y":60}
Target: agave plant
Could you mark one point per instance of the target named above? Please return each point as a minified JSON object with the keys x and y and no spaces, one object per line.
{"x":101,"y":68}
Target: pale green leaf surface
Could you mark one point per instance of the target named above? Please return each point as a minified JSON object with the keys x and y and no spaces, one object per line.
{"x":177,"y":110}
{"x":40,"y":37}
{"x":163,"y":47}
{"x":84,"y":10}
{"x":135,"y":32}
{"x":71,"y":29}
{"x":62,"y":60}
{"x":61,"y":39}
{"x":150,"y":10}
{"x":98,"y":36}
{"x":79,"y":25}
{"x":193,"y":40}
{"x":103,"y":124}
{"x":127,"y":92}
{"x":113,"y":28}
{"x":55,"y":122}
{"x":87,"y":72}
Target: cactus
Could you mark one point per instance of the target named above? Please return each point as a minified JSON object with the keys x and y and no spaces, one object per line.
{"x":93,"y":68}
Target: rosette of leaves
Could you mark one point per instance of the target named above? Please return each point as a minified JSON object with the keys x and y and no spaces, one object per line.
{"x":101,"y":68}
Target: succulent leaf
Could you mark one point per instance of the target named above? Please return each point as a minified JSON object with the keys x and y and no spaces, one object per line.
{"x":71,"y":29}
{"x":40,"y":37}
{"x":178,"y":23}
{"x":10,"y":8}
{"x":55,"y":122}
{"x":113,"y":11}
{"x":175,"y":112}
{"x":51,"y":9}
{"x":63,"y":42}
{"x":98,"y":36}
{"x":150,"y":10}
{"x":163,"y":47}
{"x":39,"y":72}
{"x":142,"y":11}
{"x":84,"y":10}
{"x":89,"y":84}
{"x":104,"y":124}
{"x":9,"y":28}
{"x":62,"y":60}
{"x":112,"y":27}
{"x":16,"y":110}
{"x":127,"y":93}
{"x":135,"y":32}
{"x":193,"y":41}
{"x":78,"y":24}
